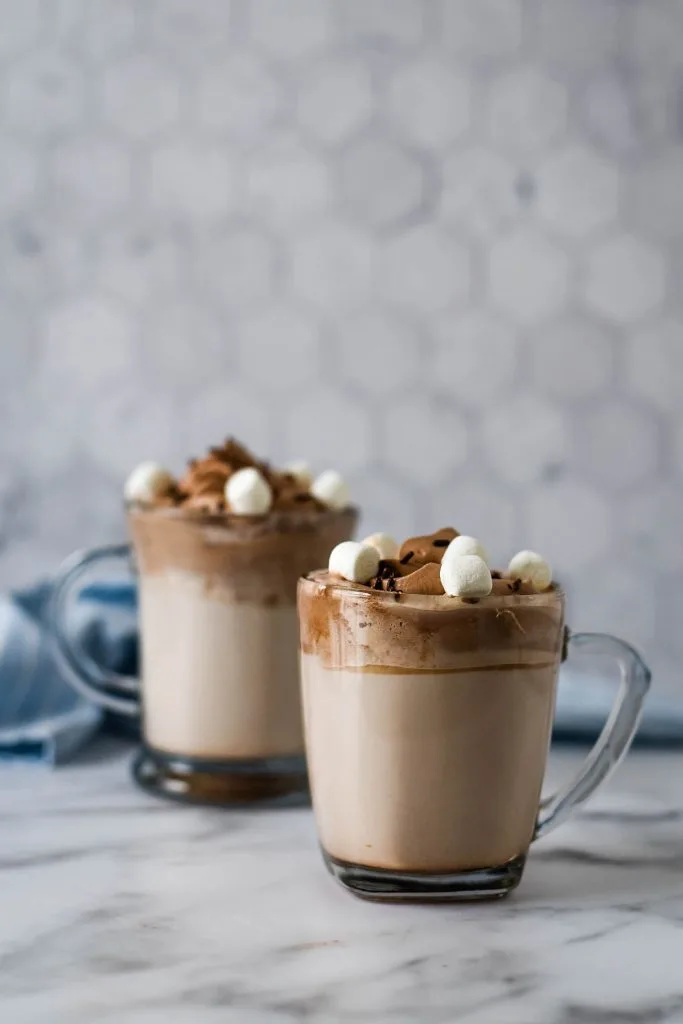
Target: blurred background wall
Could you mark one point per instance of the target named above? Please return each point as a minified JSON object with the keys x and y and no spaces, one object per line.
{"x":434,"y":244}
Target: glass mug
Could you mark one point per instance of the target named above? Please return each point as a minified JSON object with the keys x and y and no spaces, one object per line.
{"x":219,"y":688}
{"x":427,"y":729}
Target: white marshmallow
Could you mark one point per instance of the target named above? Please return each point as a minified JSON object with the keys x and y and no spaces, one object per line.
{"x":248,"y":493}
{"x":354,"y":561}
{"x":464,"y":545}
{"x":528,"y":566}
{"x":331,"y":489}
{"x":466,"y":576}
{"x":301,"y":471}
{"x":147,"y":482}
{"x":385,"y":544}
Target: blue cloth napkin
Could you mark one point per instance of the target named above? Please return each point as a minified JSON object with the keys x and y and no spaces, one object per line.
{"x":584,"y":702}
{"x":43,"y":719}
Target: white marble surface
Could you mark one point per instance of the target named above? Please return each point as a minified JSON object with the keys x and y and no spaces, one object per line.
{"x":116,"y":907}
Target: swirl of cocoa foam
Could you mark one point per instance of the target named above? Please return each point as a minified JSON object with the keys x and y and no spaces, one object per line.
{"x":417,"y":569}
{"x":202,"y":487}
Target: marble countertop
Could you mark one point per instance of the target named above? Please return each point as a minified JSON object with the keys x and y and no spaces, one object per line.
{"x":117,"y":907}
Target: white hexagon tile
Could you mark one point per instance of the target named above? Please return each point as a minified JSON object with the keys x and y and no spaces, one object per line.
{"x":435,"y":243}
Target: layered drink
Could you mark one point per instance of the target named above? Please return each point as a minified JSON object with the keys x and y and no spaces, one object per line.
{"x":428,"y":715}
{"x":218,"y":554}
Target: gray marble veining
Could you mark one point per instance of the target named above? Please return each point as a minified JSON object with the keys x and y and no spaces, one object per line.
{"x":119,"y":908}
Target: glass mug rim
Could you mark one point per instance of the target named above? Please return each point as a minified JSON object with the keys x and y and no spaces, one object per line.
{"x":239,"y":525}
{"x":433,"y":602}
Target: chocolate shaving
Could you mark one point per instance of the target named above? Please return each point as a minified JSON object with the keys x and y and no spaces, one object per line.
{"x":406,"y":558}
{"x":440,"y":542}
{"x":565,"y":643}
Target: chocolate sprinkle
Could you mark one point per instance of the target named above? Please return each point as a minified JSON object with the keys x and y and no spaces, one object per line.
{"x":377,"y":585}
{"x":517,"y":585}
{"x":391,"y":584}
{"x":440,"y":542}
{"x":302,"y":497}
{"x":386,"y":569}
{"x":406,"y":558}
{"x":565,"y":643}
{"x":495,"y":575}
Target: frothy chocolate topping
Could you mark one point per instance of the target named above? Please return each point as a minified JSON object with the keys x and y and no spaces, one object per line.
{"x":202,"y":487}
{"x":417,"y":569}
{"x":349,"y":625}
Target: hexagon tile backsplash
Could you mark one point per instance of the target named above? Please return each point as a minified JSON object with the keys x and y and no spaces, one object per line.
{"x":434,"y":243}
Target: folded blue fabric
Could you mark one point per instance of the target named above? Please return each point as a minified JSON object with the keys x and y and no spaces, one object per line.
{"x":43,"y":719}
{"x":584,"y":702}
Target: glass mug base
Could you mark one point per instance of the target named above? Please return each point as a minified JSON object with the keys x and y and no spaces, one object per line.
{"x":380,"y":884}
{"x":269,"y":782}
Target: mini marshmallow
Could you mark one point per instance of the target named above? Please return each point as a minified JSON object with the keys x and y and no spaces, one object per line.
{"x":527,"y":565}
{"x":147,"y":482}
{"x":248,"y":493}
{"x":385,"y":545}
{"x":354,"y":561}
{"x":464,"y":545}
{"x":300,"y":470}
{"x":331,"y":489}
{"x":466,"y":576}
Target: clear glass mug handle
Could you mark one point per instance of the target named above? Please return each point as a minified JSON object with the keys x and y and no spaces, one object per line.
{"x":616,"y":735}
{"x":82,"y":672}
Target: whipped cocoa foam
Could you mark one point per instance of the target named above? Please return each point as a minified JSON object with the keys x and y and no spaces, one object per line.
{"x":257,"y":560}
{"x":346,"y":625}
{"x":204,"y":485}
{"x":416,"y":568}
